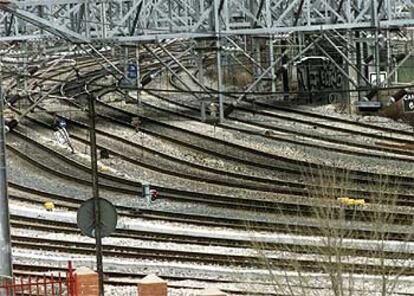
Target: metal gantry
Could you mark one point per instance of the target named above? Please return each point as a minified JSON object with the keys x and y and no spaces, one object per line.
{"x":146,"y":20}
{"x":353,"y":28}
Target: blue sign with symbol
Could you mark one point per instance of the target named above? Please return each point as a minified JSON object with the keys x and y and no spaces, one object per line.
{"x":132,"y":71}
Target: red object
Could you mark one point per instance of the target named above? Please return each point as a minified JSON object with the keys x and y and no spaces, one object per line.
{"x":154,"y":194}
{"x":42,"y":285}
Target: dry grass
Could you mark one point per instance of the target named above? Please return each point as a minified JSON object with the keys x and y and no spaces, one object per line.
{"x":339,"y":253}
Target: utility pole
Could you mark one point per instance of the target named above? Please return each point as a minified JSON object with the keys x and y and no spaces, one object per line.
{"x":95,"y":193}
{"x":6,"y":267}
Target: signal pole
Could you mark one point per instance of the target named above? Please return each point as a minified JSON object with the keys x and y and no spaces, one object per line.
{"x":95,"y":193}
{"x":6,"y":267}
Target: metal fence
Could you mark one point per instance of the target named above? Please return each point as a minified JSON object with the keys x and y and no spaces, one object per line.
{"x":45,"y":285}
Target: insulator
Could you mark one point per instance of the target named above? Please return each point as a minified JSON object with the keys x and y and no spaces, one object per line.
{"x":146,"y":79}
{"x":398,"y":96}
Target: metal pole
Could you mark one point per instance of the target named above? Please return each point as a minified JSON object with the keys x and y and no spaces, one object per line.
{"x":219,"y":80}
{"x":6,"y":267}
{"x":103,"y":17}
{"x":271,"y":59}
{"x":25,"y":68}
{"x":389,"y":61}
{"x":258,"y":56}
{"x":200,"y":69}
{"x":359,"y":55}
{"x":126,"y":61}
{"x":285,"y":74}
{"x":201,"y":79}
{"x":138,"y":76}
{"x":95,"y":193}
{"x":352,"y":70}
{"x":218,"y":59}
{"x":375,"y":23}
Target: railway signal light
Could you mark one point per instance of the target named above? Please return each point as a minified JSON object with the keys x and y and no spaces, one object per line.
{"x":148,"y":193}
{"x":154,"y":194}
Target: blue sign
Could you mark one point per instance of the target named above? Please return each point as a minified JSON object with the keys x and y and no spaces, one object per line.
{"x":132,"y":71}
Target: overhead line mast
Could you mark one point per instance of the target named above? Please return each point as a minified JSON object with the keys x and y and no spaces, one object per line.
{"x":6,"y":263}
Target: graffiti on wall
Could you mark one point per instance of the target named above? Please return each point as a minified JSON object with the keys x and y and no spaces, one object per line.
{"x":322,"y":79}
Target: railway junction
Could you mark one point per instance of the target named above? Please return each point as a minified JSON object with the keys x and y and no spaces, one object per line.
{"x":207,"y":147}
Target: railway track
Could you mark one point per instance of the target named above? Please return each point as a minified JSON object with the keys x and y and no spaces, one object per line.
{"x":252,"y":178}
{"x":315,"y":120}
{"x":136,"y":184}
{"x":70,"y":204}
{"x":269,"y":226}
{"x":288,"y":209}
{"x":295,"y":165}
{"x":212,"y":258}
{"x":263,"y":128}
{"x":304,"y":138}
{"x":301,"y":166}
{"x":136,"y":253}
{"x":281,"y":264}
{"x":285,"y":223}
{"x":203,"y":178}
{"x":324,"y":117}
{"x":297,"y":171}
{"x":363,"y":179}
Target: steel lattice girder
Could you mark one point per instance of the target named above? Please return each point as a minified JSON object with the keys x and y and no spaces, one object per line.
{"x":133,"y":20}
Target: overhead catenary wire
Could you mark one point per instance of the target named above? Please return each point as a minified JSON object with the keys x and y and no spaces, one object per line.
{"x":360,"y":89}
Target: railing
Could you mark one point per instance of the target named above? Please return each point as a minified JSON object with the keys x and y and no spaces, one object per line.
{"x":45,"y":285}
